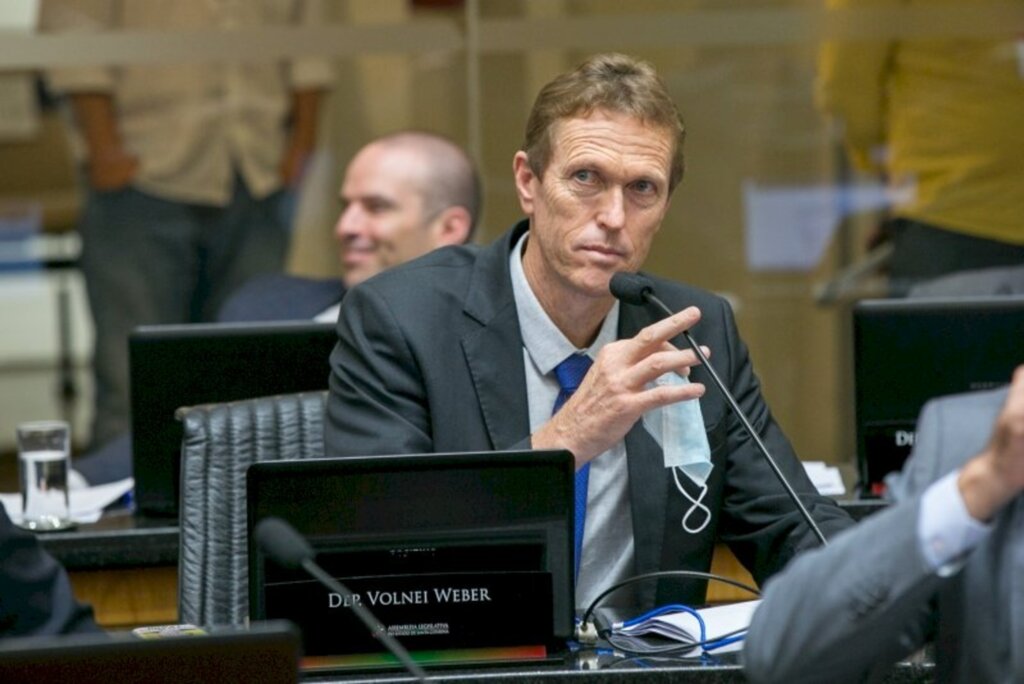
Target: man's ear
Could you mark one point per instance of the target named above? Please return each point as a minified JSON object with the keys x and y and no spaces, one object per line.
{"x":451,"y":227}
{"x":524,"y":177}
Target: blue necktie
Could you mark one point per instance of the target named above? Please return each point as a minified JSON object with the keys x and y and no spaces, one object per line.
{"x":570,"y":374}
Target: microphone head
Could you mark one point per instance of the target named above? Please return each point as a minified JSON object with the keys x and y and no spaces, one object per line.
{"x":280,"y":541}
{"x":631,"y":288}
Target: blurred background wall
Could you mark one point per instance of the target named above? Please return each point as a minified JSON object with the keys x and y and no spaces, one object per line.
{"x":761,"y":216}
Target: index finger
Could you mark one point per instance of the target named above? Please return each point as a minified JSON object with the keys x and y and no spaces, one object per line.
{"x":655,"y":335}
{"x":1015,"y":395}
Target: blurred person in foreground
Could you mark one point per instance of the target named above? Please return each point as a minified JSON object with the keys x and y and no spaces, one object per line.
{"x":36,"y":598}
{"x":943,"y":565}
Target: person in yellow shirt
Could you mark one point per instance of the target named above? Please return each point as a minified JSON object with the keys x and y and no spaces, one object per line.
{"x":939,"y":118}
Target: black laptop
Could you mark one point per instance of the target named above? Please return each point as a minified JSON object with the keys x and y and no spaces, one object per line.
{"x":907,"y":351}
{"x":268,"y":652}
{"x":185,"y":365}
{"x":467,"y":554}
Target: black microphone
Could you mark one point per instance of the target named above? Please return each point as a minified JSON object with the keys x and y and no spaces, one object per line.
{"x":633,"y":288}
{"x":289,"y":549}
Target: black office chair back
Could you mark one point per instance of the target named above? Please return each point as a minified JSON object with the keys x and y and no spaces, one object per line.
{"x":220,"y":442}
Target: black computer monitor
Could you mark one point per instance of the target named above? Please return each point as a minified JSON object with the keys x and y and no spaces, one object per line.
{"x":907,"y":351}
{"x":466,"y":552}
{"x":185,"y":365}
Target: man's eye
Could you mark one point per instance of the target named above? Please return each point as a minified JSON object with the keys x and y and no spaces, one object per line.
{"x":583,"y":176}
{"x":645,"y":187}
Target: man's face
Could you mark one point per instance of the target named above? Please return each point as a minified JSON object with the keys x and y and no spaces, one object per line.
{"x":383,"y":222}
{"x":602,"y":198}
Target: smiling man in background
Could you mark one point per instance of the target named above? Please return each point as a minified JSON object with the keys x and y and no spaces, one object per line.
{"x":404,"y":195}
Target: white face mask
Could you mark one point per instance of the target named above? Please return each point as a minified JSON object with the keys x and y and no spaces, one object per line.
{"x":679,"y":431}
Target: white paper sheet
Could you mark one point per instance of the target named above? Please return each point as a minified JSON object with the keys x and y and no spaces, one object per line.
{"x":87,"y":504}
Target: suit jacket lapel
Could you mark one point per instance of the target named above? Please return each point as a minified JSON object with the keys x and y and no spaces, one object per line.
{"x":647,"y":492}
{"x":494,"y":351}
{"x":494,"y":354}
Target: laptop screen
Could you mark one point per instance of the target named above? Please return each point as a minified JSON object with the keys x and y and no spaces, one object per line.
{"x":184,"y":365}
{"x":438,"y":546}
{"x":907,"y":351}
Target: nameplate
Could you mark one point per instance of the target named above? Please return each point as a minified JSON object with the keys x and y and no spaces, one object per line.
{"x":423,"y":611}
{"x":887,"y":446}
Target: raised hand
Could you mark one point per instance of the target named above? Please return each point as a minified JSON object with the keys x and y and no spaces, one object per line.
{"x":614,"y":393}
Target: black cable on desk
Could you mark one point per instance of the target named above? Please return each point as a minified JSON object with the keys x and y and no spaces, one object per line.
{"x":683,"y":574}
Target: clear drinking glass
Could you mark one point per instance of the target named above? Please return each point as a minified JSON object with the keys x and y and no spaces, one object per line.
{"x":44,"y":458}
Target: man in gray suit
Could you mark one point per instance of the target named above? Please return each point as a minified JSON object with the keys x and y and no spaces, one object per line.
{"x":945,"y":564}
{"x":403,"y":194}
{"x":479,"y":349}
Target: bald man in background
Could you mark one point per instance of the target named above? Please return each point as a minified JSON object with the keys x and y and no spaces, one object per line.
{"x":404,"y":195}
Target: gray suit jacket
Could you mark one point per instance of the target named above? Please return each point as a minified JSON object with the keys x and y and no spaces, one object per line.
{"x":849,"y":612}
{"x":430,"y":359}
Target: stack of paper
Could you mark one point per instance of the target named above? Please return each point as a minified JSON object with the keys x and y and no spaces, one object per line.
{"x":827,"y":479}
{"x":670,"y":631}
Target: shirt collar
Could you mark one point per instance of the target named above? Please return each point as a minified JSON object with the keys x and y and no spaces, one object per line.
{"x":544,"y":342}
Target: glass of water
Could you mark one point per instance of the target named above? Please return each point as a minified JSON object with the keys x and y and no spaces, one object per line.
{"x":44,"y":451}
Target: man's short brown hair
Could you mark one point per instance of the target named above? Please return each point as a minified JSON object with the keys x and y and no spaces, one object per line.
{"x":610,"y":82}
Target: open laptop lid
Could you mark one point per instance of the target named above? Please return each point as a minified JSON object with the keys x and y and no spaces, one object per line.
{"x":907,"y":351}
{"x":268,"y":652}
{"x":450,"y":551}
{"x":185,"y":365}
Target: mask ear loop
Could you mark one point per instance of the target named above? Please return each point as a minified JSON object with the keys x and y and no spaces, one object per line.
{"x":697,"y":505}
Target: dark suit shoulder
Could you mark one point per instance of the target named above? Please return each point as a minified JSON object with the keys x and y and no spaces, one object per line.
{"x":441,"y":276}
{"x":436,"y":267}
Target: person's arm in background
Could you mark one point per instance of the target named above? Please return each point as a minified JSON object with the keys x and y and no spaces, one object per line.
{"x":90,"y":89}
{"x":304,"y":116}
{"x":850,"y":87}
{"x":110,"y":166}
{"x":36,"y":598}
{"x":310,"y":78}
{"x":850,"y":90}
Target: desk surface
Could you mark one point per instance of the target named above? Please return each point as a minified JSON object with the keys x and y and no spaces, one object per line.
{"x":712,"y":670}
{"x":122,"y":540}
{"x":125,"y":566}
{"x":118,"y":540}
